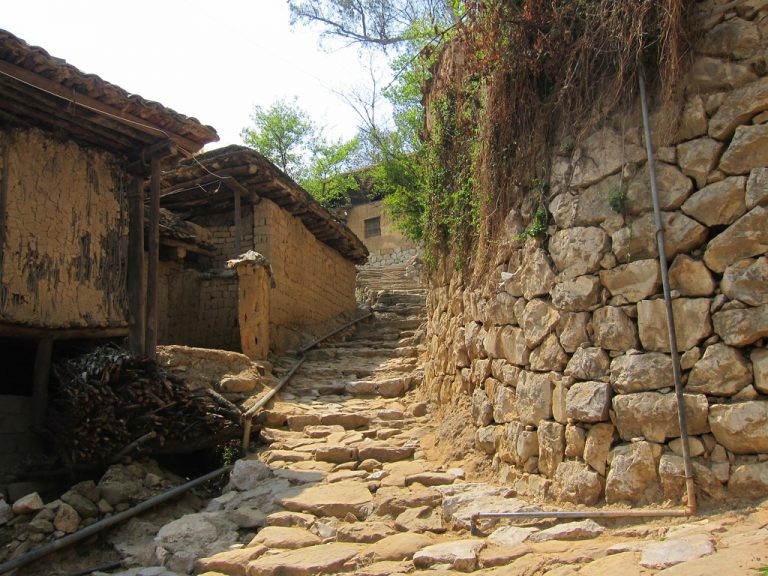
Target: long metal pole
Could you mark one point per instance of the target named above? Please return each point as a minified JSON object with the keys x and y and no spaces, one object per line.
{"x":676,"y":370}
{"x":70,"y":539}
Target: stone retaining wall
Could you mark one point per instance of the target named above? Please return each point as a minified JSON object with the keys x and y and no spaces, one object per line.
{"x":564,"y":350}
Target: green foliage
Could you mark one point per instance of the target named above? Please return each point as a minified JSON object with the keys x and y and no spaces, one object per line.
{"x":617,"y":200}
{"x":329,"y":179}
{"x":230,"y":452}
{"x":537,"y":226}
{"x":283,"y":133}
{"x":763,"y":570}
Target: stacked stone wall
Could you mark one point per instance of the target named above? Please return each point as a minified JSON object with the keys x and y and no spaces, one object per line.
{"x":563,"y":349}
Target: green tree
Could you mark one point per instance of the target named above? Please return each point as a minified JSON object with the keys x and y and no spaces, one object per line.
{"x":285,"y":134}
{"x":330,"y":177}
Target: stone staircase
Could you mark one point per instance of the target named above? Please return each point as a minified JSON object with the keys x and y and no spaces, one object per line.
{"x":343,"y":484}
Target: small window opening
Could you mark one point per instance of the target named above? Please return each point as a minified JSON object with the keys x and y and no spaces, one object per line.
{"x":372,"y":227}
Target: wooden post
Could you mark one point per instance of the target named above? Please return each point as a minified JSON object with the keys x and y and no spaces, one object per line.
{"x":238,"y":224}
{"x":136,"y":284}
{"x":42,"y":374}
{"x":154,"y":257}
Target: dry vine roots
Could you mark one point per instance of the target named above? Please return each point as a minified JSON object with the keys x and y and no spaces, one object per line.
{"x":550,"y":71}
{"x":104,"y":400}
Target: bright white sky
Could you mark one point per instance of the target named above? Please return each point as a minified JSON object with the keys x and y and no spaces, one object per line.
{"x":211,"y":60}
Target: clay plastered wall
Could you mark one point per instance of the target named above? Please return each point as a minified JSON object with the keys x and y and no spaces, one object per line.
{"x":564,"y":350}
{"x":315,"y":284}
{"x":391,"y":247}
{"x":197,"y":309}
{"x":64,"y":239}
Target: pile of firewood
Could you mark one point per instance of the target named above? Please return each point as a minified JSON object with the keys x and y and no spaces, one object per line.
{"x":107,"y":404}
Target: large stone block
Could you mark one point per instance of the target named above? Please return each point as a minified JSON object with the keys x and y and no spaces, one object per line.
{"x":757,"y":188}
{"x":738,"y":108}
{"x":741,"y":327}
{"x":749,"y":481}
{"x":576,"y":483}
{"x":747,"y":281}
{"x":597,"y":447}
{"x":549,"y":356}
{"x":577,"y":294}
{"x":632,"y":477}
{"x":504,"y":405}
{"x":603,"y":153}
{"x":690,"y":277}
{"x":513,"y":345}
{"x":574,"y":330}
{"x":654,"y":415}
{"x":681,"y":234}
{"x":746,"y":237}
{"x":482,"y":409}
{"x":641,"y":372}
{"x":551,"y":446}
{"x":718,"y":204}
{"x":722,"y":371}
{"x":501,"y":310}
{"x":634,"y":281}
{"x":534,"y":397}
{"x":539,"y":318}
{"x":708,"y":74}
{"x":698,"y":158}
{"x":536,"y":275}
{"x":673,"y":186}
{"x":588,"y":401}
{"x":613,"y":330}
{"x":578,"y":251}
{"x":759,"y":359}
{"x":743,"y":427}
{"x":692,"y":323}
{"x":735,"y":39}
{"x":748,"y":150}
{"x":588,"y":364}
{"x":592,"y":206}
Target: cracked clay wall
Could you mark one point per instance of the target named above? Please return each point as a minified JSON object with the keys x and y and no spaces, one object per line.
{"x":562,"y":352}
{"x":64,"y":233}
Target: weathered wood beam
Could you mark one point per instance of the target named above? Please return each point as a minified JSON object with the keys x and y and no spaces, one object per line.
{"x":81,"y":100}
{"x":136,"y":286}
{"x":8,"y":330}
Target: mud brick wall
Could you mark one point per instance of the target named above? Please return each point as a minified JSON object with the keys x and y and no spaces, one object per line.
{"x":196,"y":308}
{"x":222,"y":229}
{"x":562,"y":354}
{"x":315,"y":284}
{"x":63,"y":233}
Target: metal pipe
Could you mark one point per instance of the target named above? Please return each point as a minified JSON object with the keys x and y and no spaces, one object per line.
{"x":251,"y":412}
{"x":690,"y":508}
{"x":676,"y":370}
{"x":97,"y":527}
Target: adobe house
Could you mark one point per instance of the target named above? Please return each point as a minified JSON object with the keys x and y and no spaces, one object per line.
{"x":246,"y":203}
{"x":393,"y":259}
{"x":75,"y":152}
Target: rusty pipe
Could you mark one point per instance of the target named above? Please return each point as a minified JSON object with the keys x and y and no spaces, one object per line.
{"x":251,"y":412}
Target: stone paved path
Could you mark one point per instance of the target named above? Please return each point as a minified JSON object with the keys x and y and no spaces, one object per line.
{"x":344,"y":485}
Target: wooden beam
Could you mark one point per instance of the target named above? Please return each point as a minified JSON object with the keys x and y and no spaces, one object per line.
{"x":188,"y":246}
{"x":150,"y":345}
{"x":137,"y":293}
{"x":42,"y":375}
{"x":238,"y":221}
{"x":69,"y":95}
{"x":8,"y":330}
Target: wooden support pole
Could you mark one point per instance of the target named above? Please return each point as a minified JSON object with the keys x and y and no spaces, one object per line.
{"x":42,"y":374}
{"x":136,"y":285}
{"x":154,"y":257}
{"x":238,"y":224}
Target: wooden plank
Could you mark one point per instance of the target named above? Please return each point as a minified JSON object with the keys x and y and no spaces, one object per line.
{"x":136,"y":286}
{"x":69,"y":95}
{"x":40,"y":378}
{"x":188,"y":246}
{"x":150,"y":345}
{"x":8,"y":330}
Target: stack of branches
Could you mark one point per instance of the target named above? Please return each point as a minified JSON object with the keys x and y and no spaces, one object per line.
{"x":105,"y":403}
